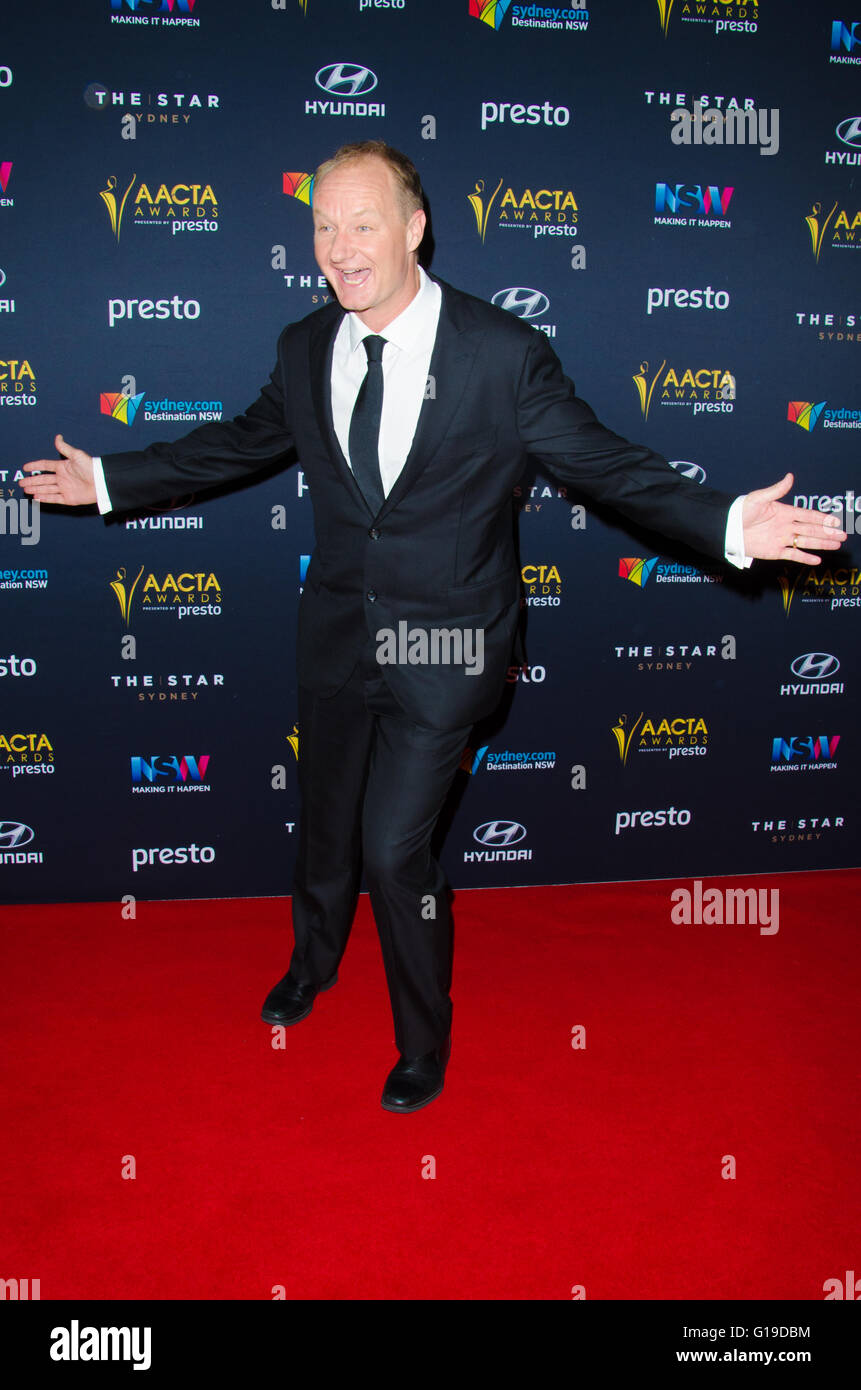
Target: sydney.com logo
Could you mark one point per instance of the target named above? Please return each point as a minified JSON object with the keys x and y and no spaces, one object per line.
{"x":806,"y":415}
{"x":567,"y":19}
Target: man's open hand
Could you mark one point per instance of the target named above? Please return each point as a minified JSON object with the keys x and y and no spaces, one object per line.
{"x":775,"y":531}
{"x":66,"y":481}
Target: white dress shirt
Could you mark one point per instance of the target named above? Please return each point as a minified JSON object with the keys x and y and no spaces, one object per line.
{"x":406,"y":364}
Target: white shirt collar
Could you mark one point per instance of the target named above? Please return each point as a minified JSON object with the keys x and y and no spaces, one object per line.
{"x":411,"y":326}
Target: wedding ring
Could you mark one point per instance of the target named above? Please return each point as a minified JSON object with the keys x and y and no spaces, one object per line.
{"x":794,"y":542}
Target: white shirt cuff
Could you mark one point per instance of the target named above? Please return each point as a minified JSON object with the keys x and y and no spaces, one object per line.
{"x":734,"y":539}
{"x":102,"y":497}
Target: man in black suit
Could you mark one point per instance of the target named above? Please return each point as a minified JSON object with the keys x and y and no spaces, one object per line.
{"x":412,"y":408}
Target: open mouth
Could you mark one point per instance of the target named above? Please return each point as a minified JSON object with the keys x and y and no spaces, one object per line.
{"x":355,"y":278}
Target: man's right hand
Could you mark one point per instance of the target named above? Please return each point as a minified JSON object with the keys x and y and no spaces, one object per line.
{"x":67,"y":481}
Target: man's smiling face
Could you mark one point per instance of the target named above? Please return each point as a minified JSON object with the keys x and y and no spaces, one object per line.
{"x":364,"y":244}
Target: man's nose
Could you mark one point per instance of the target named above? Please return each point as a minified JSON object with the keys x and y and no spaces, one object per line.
{"x":340,"y":248}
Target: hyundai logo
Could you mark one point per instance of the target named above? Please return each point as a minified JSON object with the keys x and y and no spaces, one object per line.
{"x":346,"y":79}
{"x":689,"y":470}
{"x":499,"y":833}
{"x":526,"y":304}
{"x":849,"y":131}
{"x":815,"y":666}
{"x":13,"y":834}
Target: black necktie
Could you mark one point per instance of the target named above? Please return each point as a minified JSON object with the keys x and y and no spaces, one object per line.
{"x":365,"y":426}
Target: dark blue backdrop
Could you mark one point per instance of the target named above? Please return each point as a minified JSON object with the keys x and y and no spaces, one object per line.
{"x":559,"y":123}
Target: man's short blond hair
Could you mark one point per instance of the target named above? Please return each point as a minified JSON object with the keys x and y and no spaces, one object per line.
{"x":407,"y":181}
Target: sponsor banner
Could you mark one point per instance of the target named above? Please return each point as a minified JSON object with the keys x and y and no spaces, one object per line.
{"x":179,"y":594}
{"x":156,"y":14}
{"x":501,"y":205}
{"x":556,"y":19}
{"x":16,"y":845}
{"x":667,"y":735}
{"x":718,"y":18}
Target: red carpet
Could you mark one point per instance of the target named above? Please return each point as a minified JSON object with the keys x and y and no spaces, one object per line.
{"x":555,"y":1167}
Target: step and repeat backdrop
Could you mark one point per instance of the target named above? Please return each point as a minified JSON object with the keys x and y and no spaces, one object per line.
{"x":669,"y":191}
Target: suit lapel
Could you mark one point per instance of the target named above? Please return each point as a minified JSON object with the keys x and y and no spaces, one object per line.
{"x":321,"y":349}
{"x":451,"y":361}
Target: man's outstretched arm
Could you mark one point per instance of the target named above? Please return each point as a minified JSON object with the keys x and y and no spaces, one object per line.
{"x":67,"y":481}
{"x":207,"y":456}
{"x":561,"y":431}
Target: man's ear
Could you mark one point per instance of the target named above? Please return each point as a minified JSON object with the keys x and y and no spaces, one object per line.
{"x":416,"y":229}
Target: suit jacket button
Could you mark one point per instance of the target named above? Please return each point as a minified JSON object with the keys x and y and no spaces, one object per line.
{"x":374,"y":533}
{"x":372,"y":596}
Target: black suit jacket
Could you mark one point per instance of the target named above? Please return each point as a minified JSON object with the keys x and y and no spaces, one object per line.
{"x":440,"y":553}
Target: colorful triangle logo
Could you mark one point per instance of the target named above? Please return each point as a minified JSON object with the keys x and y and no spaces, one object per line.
{"x":804,"y":413}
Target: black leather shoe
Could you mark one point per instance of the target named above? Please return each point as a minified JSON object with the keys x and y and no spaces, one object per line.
{"x":289,"y":1003}
{"x":416,"y":1081}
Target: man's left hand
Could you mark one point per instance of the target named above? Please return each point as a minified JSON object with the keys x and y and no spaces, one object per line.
{"x":775,"y":531}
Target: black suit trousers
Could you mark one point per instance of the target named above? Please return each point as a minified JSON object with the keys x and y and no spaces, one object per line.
{"x":372,"y":785}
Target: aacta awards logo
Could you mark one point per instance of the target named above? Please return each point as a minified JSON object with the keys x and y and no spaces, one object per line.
{"x":541,"y":211}
{"x":17,"y":381}
{"x":708,"y":390}
{"x":840,"y":232}
{"x":835,"y":586}
{"x":725,"y":16}
{"x":183,"y":206}
{"x":26,"y":754}
{"x":183,"y":594}
{"x":677,"y":736}
{"x":569,"y":19}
